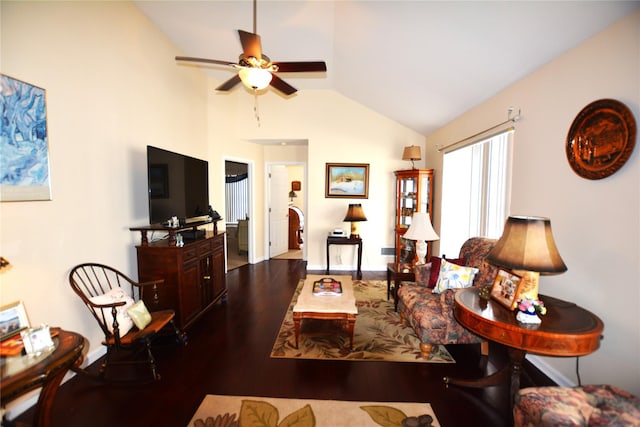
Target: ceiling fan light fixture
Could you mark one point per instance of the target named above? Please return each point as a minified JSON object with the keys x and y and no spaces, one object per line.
{"x":255,"y":78}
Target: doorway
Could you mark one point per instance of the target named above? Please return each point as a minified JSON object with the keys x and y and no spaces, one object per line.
{"x":237,"y":207}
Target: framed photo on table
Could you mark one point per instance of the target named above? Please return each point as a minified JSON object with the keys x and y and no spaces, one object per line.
{"x":506,"y":287}
{"x":13,"y":320}
{"x":347,"y":180}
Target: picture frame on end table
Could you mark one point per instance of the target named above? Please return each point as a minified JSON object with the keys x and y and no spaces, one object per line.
{"x":347,"y":180}
{"x":506,"y":287}
{"x":13,"y":320}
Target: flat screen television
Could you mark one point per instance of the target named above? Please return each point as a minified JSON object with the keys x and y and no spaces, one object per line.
{"x":178,"y":186}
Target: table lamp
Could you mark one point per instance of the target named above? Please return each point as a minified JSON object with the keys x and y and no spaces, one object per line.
{"x":527,"y":247}
{"x":355,"y":214}
{"x":412,"y":153}
{"x":421,"y":231}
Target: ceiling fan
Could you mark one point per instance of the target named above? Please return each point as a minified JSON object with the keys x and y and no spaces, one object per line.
{"x":255,"y":70}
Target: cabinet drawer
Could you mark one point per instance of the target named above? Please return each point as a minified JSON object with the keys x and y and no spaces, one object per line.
{"x":189,"y":253}
{"x":218,"y":242}
{"x":204,"y":248}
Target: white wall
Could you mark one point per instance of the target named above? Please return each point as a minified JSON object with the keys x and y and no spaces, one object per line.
{"x":338,"y":130}
{"x":596,"y":224}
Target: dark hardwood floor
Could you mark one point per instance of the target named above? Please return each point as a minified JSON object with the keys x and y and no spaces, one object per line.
{"x":229,"y":353}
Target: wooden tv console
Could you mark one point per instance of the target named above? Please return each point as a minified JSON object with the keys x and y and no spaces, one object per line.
{"x":194,"y":274}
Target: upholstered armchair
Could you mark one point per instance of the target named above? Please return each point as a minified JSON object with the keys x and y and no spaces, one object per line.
{"x":431,"y":314}
{"x":590,"y":405}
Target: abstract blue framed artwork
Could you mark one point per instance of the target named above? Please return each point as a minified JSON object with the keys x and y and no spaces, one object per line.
{"x":24,"y":144}
{"x":347,"y":180}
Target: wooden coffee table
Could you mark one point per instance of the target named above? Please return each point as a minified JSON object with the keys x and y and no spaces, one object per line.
{"x":326,"y":307}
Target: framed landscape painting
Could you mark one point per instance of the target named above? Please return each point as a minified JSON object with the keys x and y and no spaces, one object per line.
{"x":24,"y":144}
{"x":347,"y":180}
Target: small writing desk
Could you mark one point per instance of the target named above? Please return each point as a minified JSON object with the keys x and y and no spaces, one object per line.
{"x":566,"y":330}
{"x":331,"y":240}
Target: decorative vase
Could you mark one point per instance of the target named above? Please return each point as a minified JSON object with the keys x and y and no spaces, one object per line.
{"x":528,"y":318}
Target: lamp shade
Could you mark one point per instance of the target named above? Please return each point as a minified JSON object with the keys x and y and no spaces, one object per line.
{"x":421,"y":231}
{"x":255,"y":78}
{"x":421,"y":228}
{"x":411,"y":153}
{"x":355,"y":213}
{"x":527,"y":244}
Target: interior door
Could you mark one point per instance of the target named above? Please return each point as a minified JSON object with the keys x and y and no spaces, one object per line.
{"x":278,"y":210}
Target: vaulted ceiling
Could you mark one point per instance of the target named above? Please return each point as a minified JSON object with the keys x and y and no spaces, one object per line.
{"x":420,"y":63}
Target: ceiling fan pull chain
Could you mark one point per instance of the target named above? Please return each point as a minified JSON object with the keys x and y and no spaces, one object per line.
{"x":256,"y":111}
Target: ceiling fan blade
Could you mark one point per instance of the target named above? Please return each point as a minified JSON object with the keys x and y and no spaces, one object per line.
{"x":251,"y":45}
{"x":205,"y":60}
{"x":229,"y":84}
{"x":282,"y":86}
{"x":300,"y":67}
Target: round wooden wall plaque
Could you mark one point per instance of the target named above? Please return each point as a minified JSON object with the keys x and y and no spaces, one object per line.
{"x":601,"y":139}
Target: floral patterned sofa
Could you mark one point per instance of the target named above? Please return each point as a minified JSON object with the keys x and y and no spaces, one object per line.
{"x":590,"y":405}
{"x":431,"y":314}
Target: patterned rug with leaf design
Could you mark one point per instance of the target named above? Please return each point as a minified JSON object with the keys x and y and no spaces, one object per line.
{"x":378,"y":336}
{"x":235,"y":411}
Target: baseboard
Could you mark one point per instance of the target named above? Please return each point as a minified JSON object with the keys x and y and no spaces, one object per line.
{"x":552,"y":373}
{"x":24,"y":403}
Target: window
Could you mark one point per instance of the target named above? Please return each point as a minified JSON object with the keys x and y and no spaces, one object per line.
{"x":476,"y":187}
{"x":236,"y":198}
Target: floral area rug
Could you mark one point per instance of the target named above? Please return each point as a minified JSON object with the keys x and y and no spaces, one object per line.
{"x":235,"y":411}
{"x":379,"y":334}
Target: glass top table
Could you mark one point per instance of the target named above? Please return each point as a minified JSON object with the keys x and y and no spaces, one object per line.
{"x":23,"y":373}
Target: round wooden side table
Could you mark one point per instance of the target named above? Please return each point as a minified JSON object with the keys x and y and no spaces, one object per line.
{"x":566,"y":330}
{"x":23,"y":373}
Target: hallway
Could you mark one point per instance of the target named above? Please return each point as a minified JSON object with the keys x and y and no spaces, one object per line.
{"x":237,"y":259}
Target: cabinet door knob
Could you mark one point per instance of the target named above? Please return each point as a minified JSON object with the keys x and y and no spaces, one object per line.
{"x":207,"y":277}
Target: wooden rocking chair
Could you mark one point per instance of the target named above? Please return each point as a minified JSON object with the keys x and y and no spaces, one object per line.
{"x":108,"y":293}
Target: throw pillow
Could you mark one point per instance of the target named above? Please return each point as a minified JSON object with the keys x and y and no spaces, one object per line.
{"x":453,"y":276}
{"x":423,"y":274}
{"x":435,"y":268}
{"x":124,"y":320}
{"x":140,"y":315}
